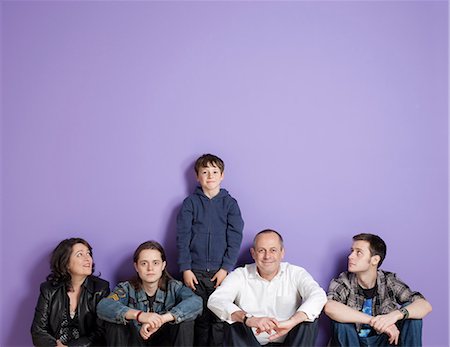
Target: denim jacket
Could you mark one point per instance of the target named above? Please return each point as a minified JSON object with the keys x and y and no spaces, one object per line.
{"x":179,"y":300}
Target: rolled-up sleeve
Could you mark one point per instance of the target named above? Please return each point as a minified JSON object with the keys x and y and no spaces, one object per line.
{"x":114,"y":307}
{"x":221,"y":301}
{"x":189,"y":307}
{"x":338,"y":291}
{"x":403,"y":294}
{"x":313,"y":296}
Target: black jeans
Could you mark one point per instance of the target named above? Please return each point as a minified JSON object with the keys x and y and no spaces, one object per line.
{"x":238,"y":334}
{"x":208,"y":328}
{"x":181,"y":335}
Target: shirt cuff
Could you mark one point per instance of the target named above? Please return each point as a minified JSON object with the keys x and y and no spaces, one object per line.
{"x":228,"y":311}
{"x":310,"y":316}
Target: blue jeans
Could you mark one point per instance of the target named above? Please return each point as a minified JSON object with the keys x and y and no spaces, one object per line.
{"x":345,"y":334}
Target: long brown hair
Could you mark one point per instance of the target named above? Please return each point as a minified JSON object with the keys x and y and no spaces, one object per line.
{"x":136,"y":281}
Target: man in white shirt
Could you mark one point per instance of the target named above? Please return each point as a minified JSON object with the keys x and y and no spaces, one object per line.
{"x":268,"y":301}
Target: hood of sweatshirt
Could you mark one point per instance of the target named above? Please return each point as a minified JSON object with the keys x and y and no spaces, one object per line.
{"x":222,"y":193}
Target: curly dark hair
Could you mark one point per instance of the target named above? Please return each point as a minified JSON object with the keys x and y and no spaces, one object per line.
{"x":59,"y":261}
{"x":136,"y":282}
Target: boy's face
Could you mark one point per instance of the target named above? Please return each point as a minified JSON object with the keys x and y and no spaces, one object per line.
{"x":210,"y":178}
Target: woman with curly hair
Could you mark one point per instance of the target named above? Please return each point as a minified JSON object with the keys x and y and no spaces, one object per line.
{"x":65,"y":313}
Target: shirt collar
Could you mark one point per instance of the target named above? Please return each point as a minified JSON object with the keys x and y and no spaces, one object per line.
{"x":354,"y":280}
{"x":253,"y":273}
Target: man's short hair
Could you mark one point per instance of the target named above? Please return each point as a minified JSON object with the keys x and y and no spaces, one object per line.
{"x":376,"y":245}
{"x":206,"y":159}
{"x":268,"y":231}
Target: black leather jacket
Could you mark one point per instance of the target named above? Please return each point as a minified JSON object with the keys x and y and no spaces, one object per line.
{"x":53,"y":301}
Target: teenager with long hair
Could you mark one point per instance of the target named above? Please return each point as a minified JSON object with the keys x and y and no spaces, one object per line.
{"x":139,"y":311}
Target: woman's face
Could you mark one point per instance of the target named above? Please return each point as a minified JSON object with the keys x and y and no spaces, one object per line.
{"x":150,"y":266}
{"x":80,"y":261}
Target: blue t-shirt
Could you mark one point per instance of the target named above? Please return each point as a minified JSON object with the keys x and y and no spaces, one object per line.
{"x":367,"y":308}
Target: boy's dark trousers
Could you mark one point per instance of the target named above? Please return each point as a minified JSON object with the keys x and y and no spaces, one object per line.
{"x":208,"y":328}
{"x":179,"y":335}
{"x":238,"y":334}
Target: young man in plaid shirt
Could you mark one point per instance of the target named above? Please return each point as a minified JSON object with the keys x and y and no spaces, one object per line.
{"x":372,"y":307}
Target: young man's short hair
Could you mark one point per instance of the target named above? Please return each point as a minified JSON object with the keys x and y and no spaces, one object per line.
{"x":206,"y":159}
{"x":376,"y":245}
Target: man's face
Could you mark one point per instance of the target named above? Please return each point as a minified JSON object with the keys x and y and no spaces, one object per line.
{"x":360,"y":259}
{"x":267,"y":253}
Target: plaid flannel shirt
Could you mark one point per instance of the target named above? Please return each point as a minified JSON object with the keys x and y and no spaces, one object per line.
{"x":391,"y":293}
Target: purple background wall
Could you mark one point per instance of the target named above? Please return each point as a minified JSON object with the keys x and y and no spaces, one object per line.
{"x":331,"y":118}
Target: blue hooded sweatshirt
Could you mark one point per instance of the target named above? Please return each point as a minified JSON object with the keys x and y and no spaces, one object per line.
{"x":209,"y":232}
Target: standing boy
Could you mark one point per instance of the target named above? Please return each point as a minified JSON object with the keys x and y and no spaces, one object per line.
{"x":371,"y":307}
{"x":209,"y":235}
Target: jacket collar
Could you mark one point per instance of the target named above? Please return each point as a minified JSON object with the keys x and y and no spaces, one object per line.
{"x":353,"y":279}
{"x":142,"y":296}
{"x":88,"y":285}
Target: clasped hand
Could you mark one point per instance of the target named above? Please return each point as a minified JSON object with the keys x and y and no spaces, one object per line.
{"x":151,"y":322}
{"x":271,"y":326}
{"x":385,"y":323}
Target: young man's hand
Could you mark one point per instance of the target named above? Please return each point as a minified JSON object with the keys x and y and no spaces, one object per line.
{"x":219,"y":277}
{"x":383,"y":321}
{"x":146,"y":331}
{"x":189,"y":279}
{"x":393,"y":334}
{"x":154,"y":320}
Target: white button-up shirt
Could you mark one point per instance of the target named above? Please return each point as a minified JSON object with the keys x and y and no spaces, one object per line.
{"x":293,"y":289}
